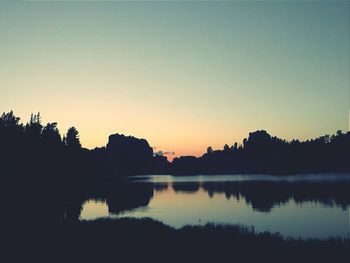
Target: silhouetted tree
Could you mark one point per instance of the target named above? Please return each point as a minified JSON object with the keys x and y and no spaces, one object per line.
{"x":72,"y":138}
{"x":234,"y":146}
{"x":9,"y":120}
{"x":10,"y":129}
{"x":33,"y":128}
{"x":50,"y":134}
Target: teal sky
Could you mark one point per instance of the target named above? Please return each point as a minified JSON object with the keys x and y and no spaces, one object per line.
{"x":183,"y":75}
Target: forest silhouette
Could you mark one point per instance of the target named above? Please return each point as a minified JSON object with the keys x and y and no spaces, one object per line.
{"x":37,"y":150}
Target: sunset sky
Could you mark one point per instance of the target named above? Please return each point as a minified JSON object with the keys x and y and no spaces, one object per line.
{"x":183,"y":75}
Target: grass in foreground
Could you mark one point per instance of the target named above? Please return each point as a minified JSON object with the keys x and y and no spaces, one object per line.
{"x":146,"y":240}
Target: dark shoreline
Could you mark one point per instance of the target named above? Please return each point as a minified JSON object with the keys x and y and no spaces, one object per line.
{"x":131,"y":240}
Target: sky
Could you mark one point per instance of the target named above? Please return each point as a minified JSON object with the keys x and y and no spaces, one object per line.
{"x":183,"y":75}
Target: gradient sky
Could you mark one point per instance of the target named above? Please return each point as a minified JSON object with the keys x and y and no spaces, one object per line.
{"x":183,"y":75}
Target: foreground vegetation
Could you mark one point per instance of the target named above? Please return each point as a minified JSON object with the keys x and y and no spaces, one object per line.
{"x":146,"y":240}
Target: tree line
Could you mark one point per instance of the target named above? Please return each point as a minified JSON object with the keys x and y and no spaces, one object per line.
{"x":40,"y":150}
{"x":263,"y":153}
{"x":33,"y":147}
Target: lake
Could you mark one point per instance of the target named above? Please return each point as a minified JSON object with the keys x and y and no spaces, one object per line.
{"x":307,"y":206}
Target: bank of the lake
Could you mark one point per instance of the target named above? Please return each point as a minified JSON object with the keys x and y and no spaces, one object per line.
{"x":131,"y":240}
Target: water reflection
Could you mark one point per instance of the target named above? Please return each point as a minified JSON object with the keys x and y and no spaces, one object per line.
{"x":186,"y":187}
{"x":263,"y":196}
{"x":119,"y":197}
{"x":93,"y":209}
{"x":306,"y":208}
{"x":85,"y":201}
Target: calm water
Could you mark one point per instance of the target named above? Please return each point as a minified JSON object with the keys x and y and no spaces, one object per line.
{"x":298,"y":206}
